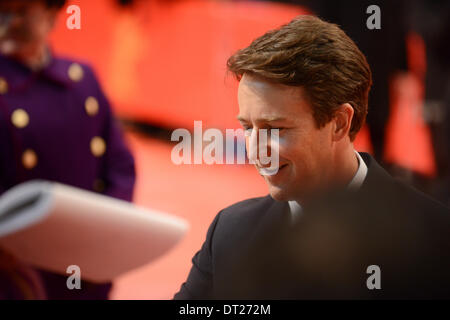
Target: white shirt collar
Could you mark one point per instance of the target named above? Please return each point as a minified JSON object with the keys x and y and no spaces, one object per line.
{"x":355,"y":183}
{"x":360,"y":174}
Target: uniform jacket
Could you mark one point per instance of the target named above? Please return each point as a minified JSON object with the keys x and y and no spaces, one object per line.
{"x":56,"y":124}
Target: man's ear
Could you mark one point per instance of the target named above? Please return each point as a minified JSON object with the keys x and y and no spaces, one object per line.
{"x":342,"y":121}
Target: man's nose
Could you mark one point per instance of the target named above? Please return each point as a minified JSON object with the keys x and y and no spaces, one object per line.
{"x":252,"y":144}
{"x":258,"y":144}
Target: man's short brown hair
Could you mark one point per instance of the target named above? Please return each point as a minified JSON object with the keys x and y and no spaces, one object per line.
{"x":317,"y":56}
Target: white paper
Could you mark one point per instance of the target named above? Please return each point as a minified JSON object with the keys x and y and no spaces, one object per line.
{"x":53,"y":226}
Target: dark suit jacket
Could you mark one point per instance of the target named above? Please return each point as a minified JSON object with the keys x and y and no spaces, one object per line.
{"x":253,"y":250}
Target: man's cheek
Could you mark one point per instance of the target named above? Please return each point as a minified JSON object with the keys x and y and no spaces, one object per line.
{"x":285,"y":148}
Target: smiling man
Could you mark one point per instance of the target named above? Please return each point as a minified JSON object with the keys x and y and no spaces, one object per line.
{"x":332,"y":212}
{"x":310,"y":157}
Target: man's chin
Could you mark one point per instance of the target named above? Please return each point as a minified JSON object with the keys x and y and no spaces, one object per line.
{"x":278,"y":193}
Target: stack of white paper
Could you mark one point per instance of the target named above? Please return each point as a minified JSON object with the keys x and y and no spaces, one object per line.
{"x":53,"y":226}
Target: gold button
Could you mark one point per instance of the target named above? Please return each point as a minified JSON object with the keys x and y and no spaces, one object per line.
{"x":29,"y":159}
{"x":91,"y":106}
{"x":20,"y":118}
{"x":75,"y":72}
{"x":99,"y":185}
{"x":3,"y":86}
{"x":98,"y":146}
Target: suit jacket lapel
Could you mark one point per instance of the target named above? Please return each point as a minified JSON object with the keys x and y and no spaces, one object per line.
{"x":273,"y":220}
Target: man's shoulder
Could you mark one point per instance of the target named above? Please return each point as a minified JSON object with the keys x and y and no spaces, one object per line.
{"x":418,"y":199}
{"x":387,"y":189}
{"x":241,"y":217}
{"x":236,"y":226}
{"x":247,"y":209}
{"x":250,"y":217}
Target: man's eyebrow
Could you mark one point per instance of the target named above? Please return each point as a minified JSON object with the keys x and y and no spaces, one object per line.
{"x":263,"y":119}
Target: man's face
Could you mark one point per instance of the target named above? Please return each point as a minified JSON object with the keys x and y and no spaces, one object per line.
{"x":305,"y":151}
{"x":25,"y":25}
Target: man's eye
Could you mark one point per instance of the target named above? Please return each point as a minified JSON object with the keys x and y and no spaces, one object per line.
{"x":279,"y":129}
{"x":248,"y":131}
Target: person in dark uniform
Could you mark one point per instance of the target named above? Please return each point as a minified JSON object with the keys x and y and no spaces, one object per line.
{"x":55,"y":121}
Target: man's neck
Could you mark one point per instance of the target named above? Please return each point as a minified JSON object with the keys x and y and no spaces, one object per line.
{"x":346,"y":166}
{"x":341,"y":172}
